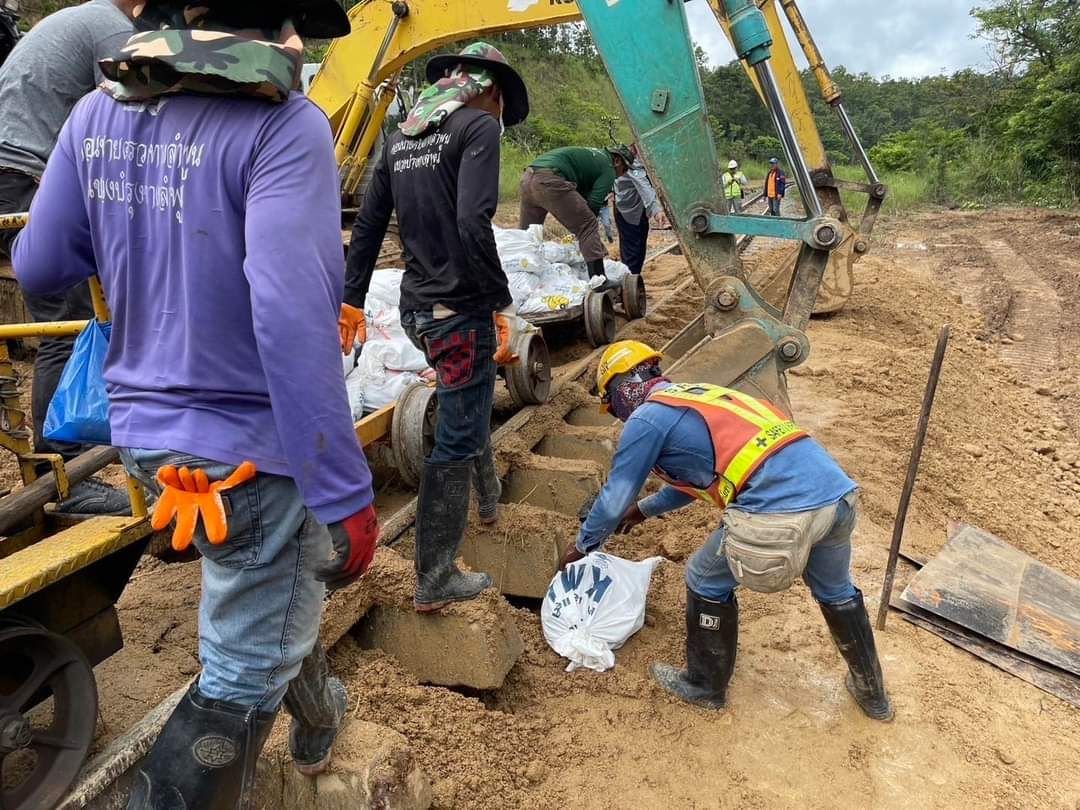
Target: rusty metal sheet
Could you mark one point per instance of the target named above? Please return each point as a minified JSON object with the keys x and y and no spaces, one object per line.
{"x":981,"y":583}
{"x":1045,"y":676}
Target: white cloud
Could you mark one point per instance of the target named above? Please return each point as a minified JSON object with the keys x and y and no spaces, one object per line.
{"x":916,"y":38}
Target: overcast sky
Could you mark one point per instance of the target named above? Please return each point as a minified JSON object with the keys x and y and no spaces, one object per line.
{"x":908,"y":39}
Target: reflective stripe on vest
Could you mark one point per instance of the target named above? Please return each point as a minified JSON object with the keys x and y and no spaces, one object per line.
{"x":744,"y":431}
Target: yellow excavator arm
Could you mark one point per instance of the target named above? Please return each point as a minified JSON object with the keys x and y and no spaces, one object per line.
{"x":385,"y":37}
{"x":357,"y":82}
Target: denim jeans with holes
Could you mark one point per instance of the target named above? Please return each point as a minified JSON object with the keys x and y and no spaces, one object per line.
{"x":460,"y":349}
{"x":827,"y":573}
{"x":261,"y":604}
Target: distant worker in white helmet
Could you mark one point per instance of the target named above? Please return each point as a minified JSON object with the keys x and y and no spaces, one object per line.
{"x":788,"y":511}
{"x":735,"y":183}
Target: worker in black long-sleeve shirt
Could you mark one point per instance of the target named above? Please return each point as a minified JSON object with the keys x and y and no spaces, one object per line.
{"x":441,"y":173}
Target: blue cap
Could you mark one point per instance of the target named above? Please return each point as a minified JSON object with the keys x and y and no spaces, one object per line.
{"x":773,"y":160}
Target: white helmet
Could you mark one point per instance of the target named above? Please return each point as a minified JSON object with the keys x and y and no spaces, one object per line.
{"x":733,"y":164}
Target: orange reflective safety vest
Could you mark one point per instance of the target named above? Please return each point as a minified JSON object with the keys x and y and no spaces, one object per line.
{"x":745,"y":431}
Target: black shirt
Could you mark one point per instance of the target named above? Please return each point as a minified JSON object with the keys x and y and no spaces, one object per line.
{"x":445,"y":187}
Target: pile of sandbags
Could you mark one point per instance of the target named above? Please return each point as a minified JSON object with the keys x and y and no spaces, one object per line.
{"x":387,"y":363}
{"x":546,"y":276}
{"x":543,"y":277}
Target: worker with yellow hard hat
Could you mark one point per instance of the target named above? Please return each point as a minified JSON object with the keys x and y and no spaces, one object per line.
{"x":788,"y":510}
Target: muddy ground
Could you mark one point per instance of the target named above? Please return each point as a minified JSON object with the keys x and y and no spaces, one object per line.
{"x":1001,"y":453}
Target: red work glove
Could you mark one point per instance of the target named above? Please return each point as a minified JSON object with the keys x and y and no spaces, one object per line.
{"x":631,"y":518}
{"x":570,"y":555}
{"x":506,"y":330}
{"x":355,"y":540}
{"x":352,"y":327}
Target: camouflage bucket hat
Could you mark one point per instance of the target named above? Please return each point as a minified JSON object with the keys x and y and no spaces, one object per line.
{"x":488,"y":57}
{"x":193,"y":55}
{"x":623,"y":151}
{"x":440,"y":100}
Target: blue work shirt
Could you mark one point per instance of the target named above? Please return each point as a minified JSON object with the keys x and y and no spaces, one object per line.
{"x":797,"y":478}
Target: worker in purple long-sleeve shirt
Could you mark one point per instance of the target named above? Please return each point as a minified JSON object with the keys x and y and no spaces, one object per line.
{"x":208,"y":205}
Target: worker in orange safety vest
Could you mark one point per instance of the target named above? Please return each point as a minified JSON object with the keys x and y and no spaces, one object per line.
{"x":788,"y":510}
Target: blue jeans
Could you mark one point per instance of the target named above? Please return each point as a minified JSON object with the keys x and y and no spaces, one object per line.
{"x":774,"y":206}
{"x":260,"y":606}
{"x":460,"y":349}
{"x":828,"y":569}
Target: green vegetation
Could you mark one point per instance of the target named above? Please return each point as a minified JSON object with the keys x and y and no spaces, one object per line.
{"x":1010,"y":135}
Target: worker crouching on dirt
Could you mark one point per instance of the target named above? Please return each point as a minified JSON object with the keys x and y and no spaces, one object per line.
{"x":440,"y":172}
{"x":204,"y":192}
{"x":572,"y":183}
{"x":789,"y":510}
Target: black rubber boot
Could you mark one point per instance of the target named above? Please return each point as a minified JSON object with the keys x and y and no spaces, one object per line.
{"x":712,"y":636}
{"x":488,"y":486}
{"x":317,"y":703}
{"x":204,"y":758}
{"x":596,"y":268}
{"x":850,"y":628}
{"x":442,"y":511}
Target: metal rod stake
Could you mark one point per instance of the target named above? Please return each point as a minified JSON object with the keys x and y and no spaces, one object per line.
{"x":775,"y":102}
{"x":912,"y":471}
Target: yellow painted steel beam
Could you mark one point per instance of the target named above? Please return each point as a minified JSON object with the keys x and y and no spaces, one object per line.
{"x":12,"y":222}
{"x":375,"y":425}
{"x":17,"y":331}
{"x":429,"y":25}
{"x":26,"y":572}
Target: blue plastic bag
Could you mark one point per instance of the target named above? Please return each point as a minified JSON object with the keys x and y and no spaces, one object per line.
{"x":79,"y":410}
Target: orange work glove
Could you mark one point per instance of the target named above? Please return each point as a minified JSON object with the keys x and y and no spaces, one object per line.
{"x":507,"y":330}
{"x":352,"y":327}
{"x":185,"y":495}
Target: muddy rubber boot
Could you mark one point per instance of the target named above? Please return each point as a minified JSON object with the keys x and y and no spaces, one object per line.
{"x":204,"y":758}
{"x":850,"y":628}
{"x":596,"y":268}
{"x":712,"y":636}
{"x":488,"y":486}
{"x":442,"y":511}
{"x":316,"y":701}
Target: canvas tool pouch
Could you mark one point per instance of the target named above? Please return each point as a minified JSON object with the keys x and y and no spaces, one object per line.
{"x":766,"y":552}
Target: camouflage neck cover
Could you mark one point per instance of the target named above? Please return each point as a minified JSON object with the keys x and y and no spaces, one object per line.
{"x":446,"y":96}
{"x":204,"y":60}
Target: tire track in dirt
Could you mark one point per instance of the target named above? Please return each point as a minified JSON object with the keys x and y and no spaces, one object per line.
{"x":1033,"y":322}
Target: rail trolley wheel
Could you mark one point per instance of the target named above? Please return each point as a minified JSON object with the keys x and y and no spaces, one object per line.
{"x":412,"y":432}
{"x":599,"y":318}
{"x":48,"y":712}
{"x":529,"y":380}
{"x":634,"y":301}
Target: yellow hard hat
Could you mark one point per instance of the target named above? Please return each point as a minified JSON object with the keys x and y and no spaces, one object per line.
{"x":619,"y":358}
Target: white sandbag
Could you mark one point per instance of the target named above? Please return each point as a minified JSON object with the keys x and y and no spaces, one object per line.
{"x":348,"y":361}
{"x":594,"y":606}
{"x":380,"y":385}
{"x":520,"y":251}
{"x":385,"y":287}
{"x":354,"y":387}
{"x":615,"y":270}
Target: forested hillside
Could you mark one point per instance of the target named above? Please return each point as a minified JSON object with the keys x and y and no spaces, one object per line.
{"x":1012,"y":134}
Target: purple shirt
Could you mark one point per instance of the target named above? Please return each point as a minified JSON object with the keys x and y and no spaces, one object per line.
{"x":214,"y":224}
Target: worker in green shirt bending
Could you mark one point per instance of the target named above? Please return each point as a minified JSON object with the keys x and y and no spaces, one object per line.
{"x":572,"y":184}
